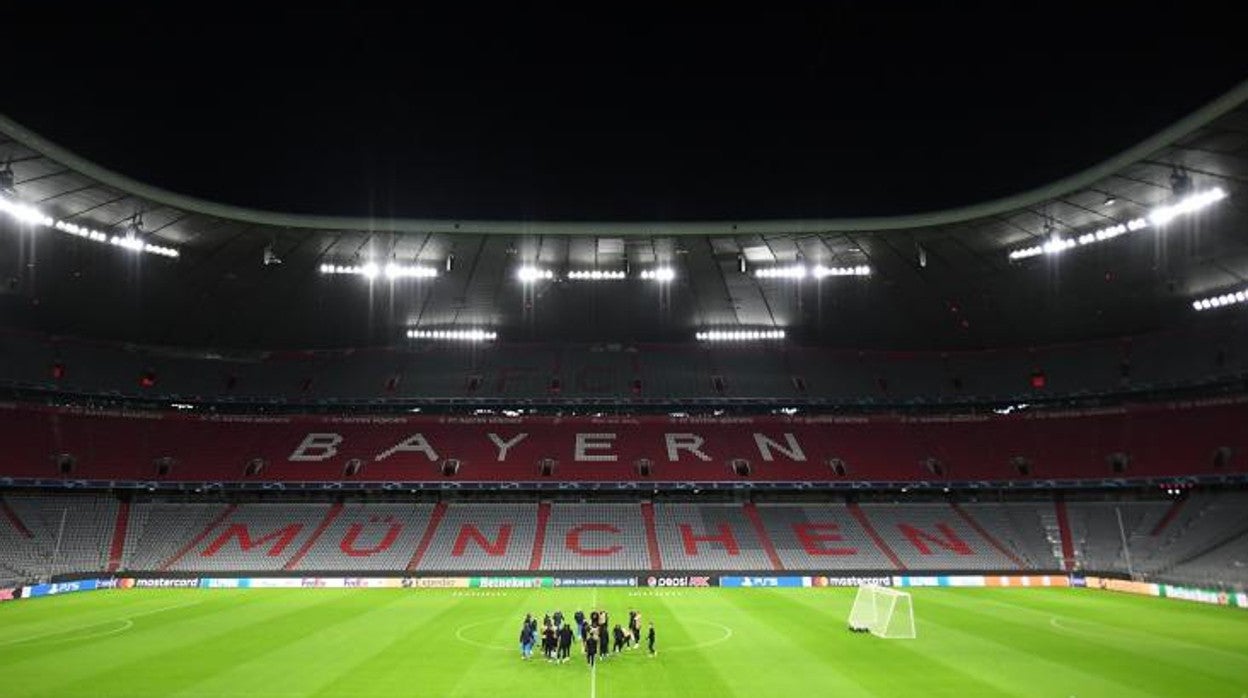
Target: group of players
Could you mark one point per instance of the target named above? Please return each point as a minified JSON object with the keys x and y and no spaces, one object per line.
{"x":598,"y":637}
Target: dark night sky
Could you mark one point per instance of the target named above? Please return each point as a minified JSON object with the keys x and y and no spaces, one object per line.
{"x":855,"y":109}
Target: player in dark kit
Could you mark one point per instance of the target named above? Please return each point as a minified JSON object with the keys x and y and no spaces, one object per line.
{"x":548,"y":642}
{"x":579,"y":617}
{"x":634,"y":627}
{"x":650,"y":638}
{"x":526,"y":641}
{"x":565,"y":643}
{"x":619,"y":638}
{"x":591,"y":646}
{"x":604,"y":635}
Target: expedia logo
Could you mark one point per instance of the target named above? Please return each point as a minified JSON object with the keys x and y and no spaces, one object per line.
{"x":438,"y":583}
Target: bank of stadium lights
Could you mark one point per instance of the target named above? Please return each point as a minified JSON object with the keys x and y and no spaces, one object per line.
{"x":390,"y":271}
{"x":1159,"y":217}
{"x":25,"y":213}
{"x":472,"y":335}
{"x":1164,"y":214}
{"x":134,"y":244}
{"x":660,"y":274}
{"x":1221,"y":301}
{"x":739,"y":335}
{"x":528,"y":274}
{"x":818,"y":271}
{"x":31,"y":215}
{"x":597,"y":275}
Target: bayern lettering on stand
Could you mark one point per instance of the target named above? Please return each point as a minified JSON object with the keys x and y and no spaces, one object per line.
{"x":350,"y":545}
{"x":586,"y":446}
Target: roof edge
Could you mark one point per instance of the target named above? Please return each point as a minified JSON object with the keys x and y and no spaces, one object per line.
{"x":1201,"y":117}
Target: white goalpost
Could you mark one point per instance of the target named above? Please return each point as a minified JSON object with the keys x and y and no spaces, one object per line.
{"x":883,"y":612}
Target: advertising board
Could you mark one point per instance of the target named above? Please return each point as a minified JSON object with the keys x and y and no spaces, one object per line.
{"x":166,"y":583}
{"x":692,"y":582}
{"x":595,"y":581}
{"x":750,"y":582}
{"x":55,"y":588}
{"x":510,"y":582}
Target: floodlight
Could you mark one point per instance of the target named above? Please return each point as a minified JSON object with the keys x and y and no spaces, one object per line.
{"x":596,"y":275}
{"x":24,"y":213}
{"x":1221,"y":300}
{"x":463,"y":335}
{"x":1158,"y":217}
{"x":795,"y":271}
{"x":751,"y":335}
{"x":1164,"y":214}
{"x":529,"y":274}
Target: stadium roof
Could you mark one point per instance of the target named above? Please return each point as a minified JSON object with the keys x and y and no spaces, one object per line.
{"x":943,"y":279}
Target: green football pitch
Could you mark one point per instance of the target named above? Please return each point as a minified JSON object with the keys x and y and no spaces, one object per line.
{"x":712,"y":642}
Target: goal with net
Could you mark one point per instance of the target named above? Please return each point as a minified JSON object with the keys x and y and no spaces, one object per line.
{"x":883,"y":612}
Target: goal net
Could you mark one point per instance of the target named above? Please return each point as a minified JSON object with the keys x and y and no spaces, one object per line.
{"x":883,"y":612}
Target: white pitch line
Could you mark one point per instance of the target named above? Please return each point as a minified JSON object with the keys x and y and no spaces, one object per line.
{"x":127,"y":623}
{"x":50,"y":638}
{"x":706,"y":643}
{"x":459,"y":635}
{"x":593,"y":670}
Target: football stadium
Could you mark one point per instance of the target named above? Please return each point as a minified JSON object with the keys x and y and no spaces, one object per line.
{"x":997,"y":449}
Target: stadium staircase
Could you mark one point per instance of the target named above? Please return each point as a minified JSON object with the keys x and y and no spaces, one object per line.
{"x":426,"y":539}
{"x":117,"y":549}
